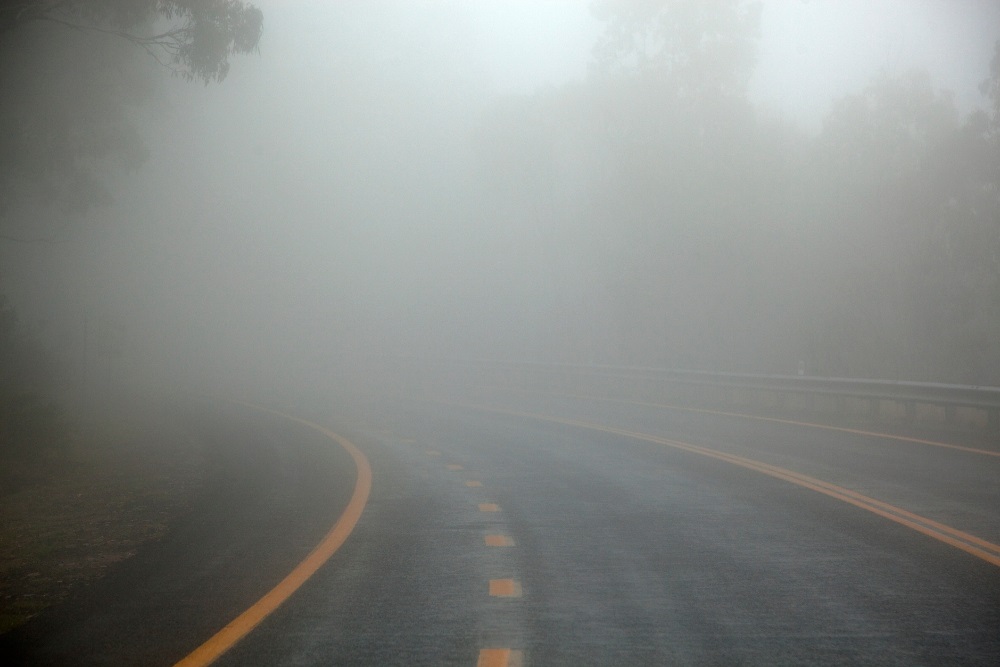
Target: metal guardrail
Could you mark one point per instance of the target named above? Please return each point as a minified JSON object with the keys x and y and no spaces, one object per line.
{"x":901,"y":391}
{"x":907,"y":394}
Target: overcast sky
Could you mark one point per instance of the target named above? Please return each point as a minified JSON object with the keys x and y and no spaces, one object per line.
{"x":811,"y":52}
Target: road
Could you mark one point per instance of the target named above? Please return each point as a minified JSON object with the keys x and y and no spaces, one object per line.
{"x":566,"y":531}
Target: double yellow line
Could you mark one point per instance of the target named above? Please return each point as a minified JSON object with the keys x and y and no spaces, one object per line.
{"x":971,"y":544}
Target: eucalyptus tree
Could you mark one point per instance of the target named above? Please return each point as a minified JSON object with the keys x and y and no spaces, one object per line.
{"x":72,"y":78}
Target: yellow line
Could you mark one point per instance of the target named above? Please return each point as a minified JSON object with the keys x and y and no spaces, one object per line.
{"x":500,"y":657}
{"x":489,"y":507}
{"x":505,"y":588}
{"x":971,"y":544}
{"x":472,"y":483}
{"x":743,"y":415}
{"x":498,"y":541}
{"x":454,"y":466}
{"x":239,"y":627}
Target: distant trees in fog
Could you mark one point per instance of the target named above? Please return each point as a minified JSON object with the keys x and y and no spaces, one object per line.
{"x":718,"y":236}
{"x":73,"y":75}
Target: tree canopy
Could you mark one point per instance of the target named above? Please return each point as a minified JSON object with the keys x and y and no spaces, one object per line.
{"x":71,"y":77}
{"x":720,"y":237}
{"x":193,"y":38}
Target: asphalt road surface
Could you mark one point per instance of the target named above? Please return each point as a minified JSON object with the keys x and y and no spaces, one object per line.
{"x":567,"y":531}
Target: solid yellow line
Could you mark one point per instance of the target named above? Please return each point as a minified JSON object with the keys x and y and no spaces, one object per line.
{"x":498,"y":541}
{"x":971,"y":544}
{"x":239,"y":627}
{"x":743,"y":415}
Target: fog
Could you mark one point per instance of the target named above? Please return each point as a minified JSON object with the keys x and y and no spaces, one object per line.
{"x":717,"y":186}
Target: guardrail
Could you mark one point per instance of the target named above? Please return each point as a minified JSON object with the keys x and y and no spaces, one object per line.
{"x":978,"y":406}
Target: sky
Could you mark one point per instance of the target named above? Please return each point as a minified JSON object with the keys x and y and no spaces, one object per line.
{"x":812,"y":51}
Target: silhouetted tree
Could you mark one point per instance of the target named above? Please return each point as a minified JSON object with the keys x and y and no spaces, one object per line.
{"x":193,"y":38}
{"x":71,"y":81}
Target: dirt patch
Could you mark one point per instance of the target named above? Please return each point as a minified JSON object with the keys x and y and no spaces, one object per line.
{"x":67,"y":517}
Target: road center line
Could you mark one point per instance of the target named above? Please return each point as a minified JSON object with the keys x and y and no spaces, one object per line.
{"x":489,"y":507}
{"x":498,"y":541}
{"x":500,"y":657}
{"x":505,"y":588}
{"x":971,"y":544}
{"x":473,"y":483}
{"x":240,"y":626}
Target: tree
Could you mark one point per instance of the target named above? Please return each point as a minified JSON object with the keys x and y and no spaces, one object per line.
{"x":681,"y":183}
{"x":991,"y":86}
{"x":71,"y":84}
{"x":193,"y":38}
{"x":701,"y":47}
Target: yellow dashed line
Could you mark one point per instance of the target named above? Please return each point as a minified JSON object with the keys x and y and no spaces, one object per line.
{"x":473,"y":483}
{"x":499,"y":541}
{"x":489,"y":507}
{"x":971,"y":544}
{"x":500,"y":657}
{"x":505,"y":588}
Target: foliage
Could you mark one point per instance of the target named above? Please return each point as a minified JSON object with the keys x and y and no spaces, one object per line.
{"x":700,"y":48}
{"x":72,"y":84}
{"x":991,"y":86}
{"x":721,"y":238}
{"x":194,"y":38}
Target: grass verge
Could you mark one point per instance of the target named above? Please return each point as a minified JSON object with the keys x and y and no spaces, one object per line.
{"x":67,"y":516}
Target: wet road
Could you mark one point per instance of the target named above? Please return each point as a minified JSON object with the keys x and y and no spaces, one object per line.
{"x":571,"y":546}
{"x":492,"y":538}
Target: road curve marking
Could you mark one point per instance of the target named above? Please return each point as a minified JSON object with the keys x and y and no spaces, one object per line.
{"x":241,"y":626}
{"x":743,"y":415}
{"x":500,"y":657}
{"x":970,"y":544}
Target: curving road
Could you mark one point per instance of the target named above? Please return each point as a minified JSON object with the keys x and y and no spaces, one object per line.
{"x":552,"y":530}
{"x":499,"y":538}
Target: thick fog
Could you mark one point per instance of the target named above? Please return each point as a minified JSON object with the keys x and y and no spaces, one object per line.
{"x":728,"y":186}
